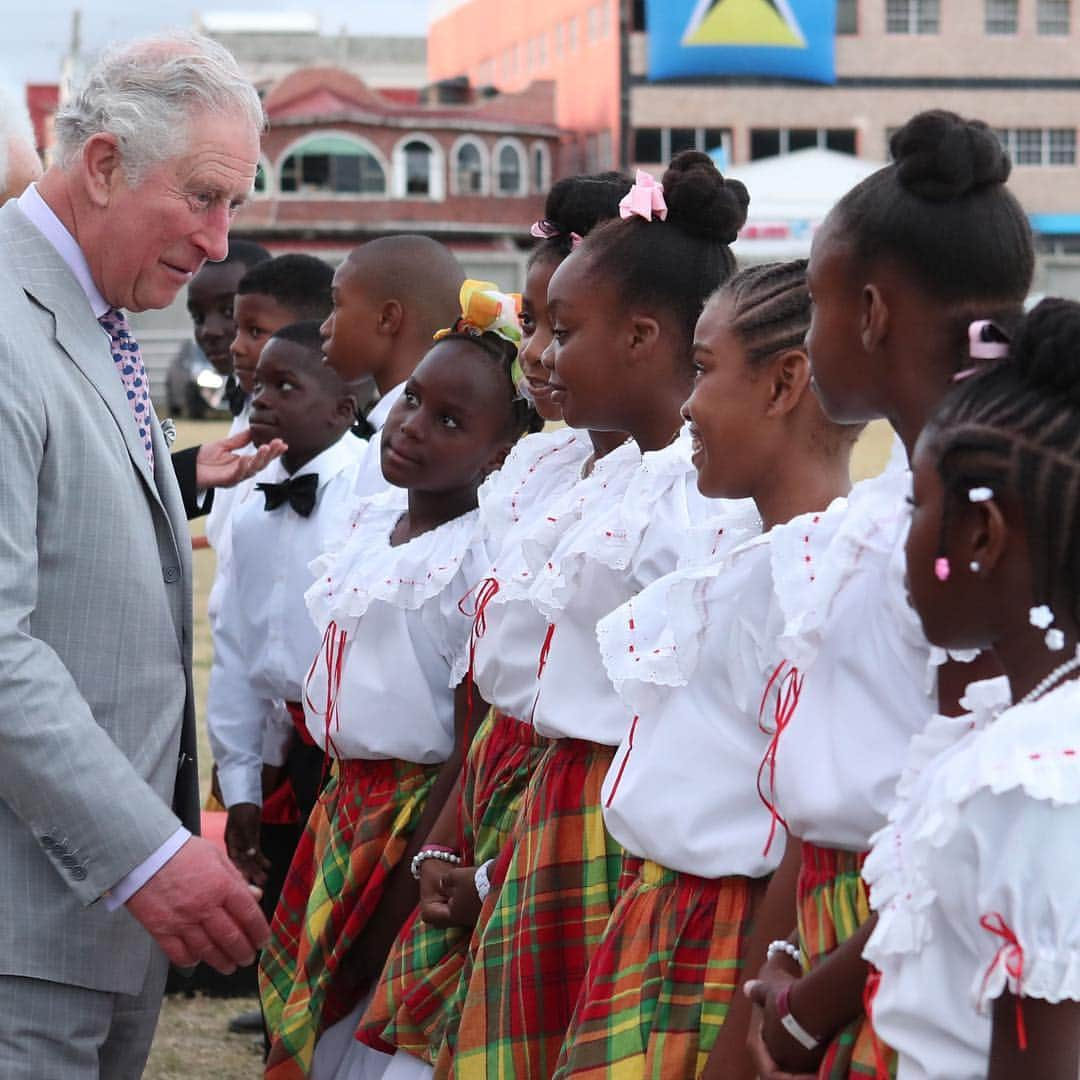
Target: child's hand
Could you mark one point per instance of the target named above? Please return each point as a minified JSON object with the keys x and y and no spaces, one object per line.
{"x":448,"y":894}
{"x":242,"y":842}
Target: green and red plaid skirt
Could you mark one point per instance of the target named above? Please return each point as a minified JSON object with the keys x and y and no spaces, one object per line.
{"x":660,"y":984}
{"x":421,"y":988}
{"x":558,"y":893}
{"x":356,"y":835}
{"x":832,"y":904}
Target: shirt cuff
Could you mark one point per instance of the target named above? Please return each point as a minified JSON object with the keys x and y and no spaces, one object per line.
{"x":128,"y":886}
{"x":240,"y":784}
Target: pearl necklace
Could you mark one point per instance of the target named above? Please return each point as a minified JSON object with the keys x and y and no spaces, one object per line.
{"x":1056,"y":675}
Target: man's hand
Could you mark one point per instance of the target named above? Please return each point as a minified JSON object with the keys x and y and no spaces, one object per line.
{"x":197,"y":907}
{"x":243,"y":842}
{"x":217,"y":465}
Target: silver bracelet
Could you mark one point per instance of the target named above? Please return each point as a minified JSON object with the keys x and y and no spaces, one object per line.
{"x":423,"y":855}
{"x":783,"y":947}
{"x":482,"y":881}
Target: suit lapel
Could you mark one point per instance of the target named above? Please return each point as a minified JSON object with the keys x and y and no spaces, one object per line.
{"x":46,"y":277}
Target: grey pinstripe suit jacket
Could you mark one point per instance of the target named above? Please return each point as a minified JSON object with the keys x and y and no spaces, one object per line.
{"x":95,"y":634}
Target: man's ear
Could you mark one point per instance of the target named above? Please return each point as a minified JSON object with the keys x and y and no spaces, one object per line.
{"x":391,"y":316}
{"x":874,"y":318}
{"x":101,"y":167}
{"x":789,"y":376}
{"x":347,"y":408}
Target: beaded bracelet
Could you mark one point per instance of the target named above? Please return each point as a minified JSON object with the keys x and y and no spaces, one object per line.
{"x":785,"y":947}
{"x":433,"y":851}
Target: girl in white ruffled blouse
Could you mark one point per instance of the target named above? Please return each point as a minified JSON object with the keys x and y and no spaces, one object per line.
{"x":689,"y":657}
{"x":898,"y":272}
{"x":385,"y":696}
{"x":976,"y":878}
{"x":623,"y":309}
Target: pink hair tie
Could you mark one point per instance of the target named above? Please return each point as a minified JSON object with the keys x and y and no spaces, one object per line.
{"x":544,"y":230}
{"x":645,"y":198}
{"x":986,"y":341}
{"x":575,"y":239}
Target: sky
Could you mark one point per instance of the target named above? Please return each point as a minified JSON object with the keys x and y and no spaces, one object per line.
{"x":34,"y":33}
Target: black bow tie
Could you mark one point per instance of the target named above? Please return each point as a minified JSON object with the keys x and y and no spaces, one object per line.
{"x":298,"y":491}
{"x":235,"y":395}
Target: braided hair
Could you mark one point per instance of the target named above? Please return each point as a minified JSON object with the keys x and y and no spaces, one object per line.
{"x":524,"y":419}
{"x":771,"y":308}
{"x":1014,"y":427}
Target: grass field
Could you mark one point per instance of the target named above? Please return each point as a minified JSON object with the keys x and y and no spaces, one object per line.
{"x":192,"y":1042}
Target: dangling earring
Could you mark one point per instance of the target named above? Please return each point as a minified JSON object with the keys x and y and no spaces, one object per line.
{"x":1042,"y":618}
{"x":942,"y":570}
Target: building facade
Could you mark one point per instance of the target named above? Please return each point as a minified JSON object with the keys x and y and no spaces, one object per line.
{"x":1012,"y":63}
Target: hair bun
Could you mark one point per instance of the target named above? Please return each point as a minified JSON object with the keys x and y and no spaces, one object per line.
{"x":700,"y":201}
{"x":940,"y":156}
{"x":1046,"y":349}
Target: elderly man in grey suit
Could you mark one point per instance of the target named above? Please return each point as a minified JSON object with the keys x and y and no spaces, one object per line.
{"x":100,"y":877}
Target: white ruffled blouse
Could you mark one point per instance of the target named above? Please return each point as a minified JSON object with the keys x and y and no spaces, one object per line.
{"x":612,"y":538}
{"x":689,"y":657}
{"x":395,"y":642}
{"x":975,"y":878}
{"x":532,"y":484}
{"x":869,"y":676}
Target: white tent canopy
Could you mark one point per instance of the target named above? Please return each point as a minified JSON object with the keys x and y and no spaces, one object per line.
{"x":790,"y":195}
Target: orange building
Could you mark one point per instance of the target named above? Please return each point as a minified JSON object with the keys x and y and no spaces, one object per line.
{"x":576,"y":43}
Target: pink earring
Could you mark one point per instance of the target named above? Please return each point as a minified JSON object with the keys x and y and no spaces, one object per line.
{"x":942,"y":568}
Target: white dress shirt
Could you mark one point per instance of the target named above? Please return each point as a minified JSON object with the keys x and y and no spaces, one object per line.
{"x":264,"y":639}
{"x":42,"y":217}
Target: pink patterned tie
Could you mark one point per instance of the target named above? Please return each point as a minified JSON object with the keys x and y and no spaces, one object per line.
{"x":128,"y":360}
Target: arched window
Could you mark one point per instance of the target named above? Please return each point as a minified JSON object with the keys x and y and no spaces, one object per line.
{"x":469,"y":170}
{"x":540,"y":159}
{"x":417,"y":168}
{"x":332,"y":163}
{"x":510,"y":171}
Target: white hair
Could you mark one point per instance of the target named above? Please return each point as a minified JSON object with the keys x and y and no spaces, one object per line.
{"x":145,"y":94}
{"x":14,"y":124}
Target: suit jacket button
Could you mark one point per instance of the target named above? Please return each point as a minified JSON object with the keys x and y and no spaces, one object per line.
{"x":78,"y":873}
{"x":171,"y":574}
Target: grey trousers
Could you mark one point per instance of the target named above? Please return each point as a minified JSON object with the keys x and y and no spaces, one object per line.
{"x":53,"y":1031}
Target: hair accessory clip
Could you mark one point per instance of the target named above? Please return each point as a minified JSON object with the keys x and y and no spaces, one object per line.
{"x":544,"y":229}
{"x":980,"y":495}
{"x":942,"y":570}
{"x":645,"y":198}
{"x":485,"y":309}
{"x":1055,"y":639}
{"x":987,"y":341}
{"x":1041,"y":617}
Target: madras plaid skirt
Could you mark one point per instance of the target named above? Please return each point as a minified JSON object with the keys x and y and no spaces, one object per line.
{"x":356,"y":835}
{"x":659,"y":986}
{"x":421,"y":988}
{"x":559,"y":890}
{"x":832,"y":905}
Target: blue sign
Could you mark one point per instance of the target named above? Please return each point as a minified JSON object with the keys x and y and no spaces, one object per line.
{"x":787,"y":39}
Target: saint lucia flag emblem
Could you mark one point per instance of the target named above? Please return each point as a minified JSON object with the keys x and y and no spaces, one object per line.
{"x":792,"y":39}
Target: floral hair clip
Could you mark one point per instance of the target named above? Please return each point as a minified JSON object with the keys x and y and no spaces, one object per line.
{"x":485,"y":309}
{"x":645,"y":199}
{"x":548,"y":230}
{"x":1042,"y":618}
{"x":986,"y":341}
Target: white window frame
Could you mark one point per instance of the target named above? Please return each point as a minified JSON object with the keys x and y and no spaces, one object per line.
{"x":523,"y":161}
{"x":438,"y":168}
{"x":485,"y":165}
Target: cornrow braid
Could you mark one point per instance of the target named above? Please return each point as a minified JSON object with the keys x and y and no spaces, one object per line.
{"x":1014,"y":427}
{"x":771,"y":308}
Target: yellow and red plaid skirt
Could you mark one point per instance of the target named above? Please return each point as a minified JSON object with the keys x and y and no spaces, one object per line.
{"x":421,"y":989}
{"x":356,"y":835}
{"x":832,"y":904}
{"x":559,"y":890}
{"x":660,"y":984}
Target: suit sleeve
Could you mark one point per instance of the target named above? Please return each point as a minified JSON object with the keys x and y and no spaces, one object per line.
{"x":62,"y":776}
{"x":184,"y":467}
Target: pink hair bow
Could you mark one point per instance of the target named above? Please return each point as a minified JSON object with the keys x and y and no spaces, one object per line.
{"x":986,"y":341}
{"x":547,"y":230}
{"x":645,"y":198}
